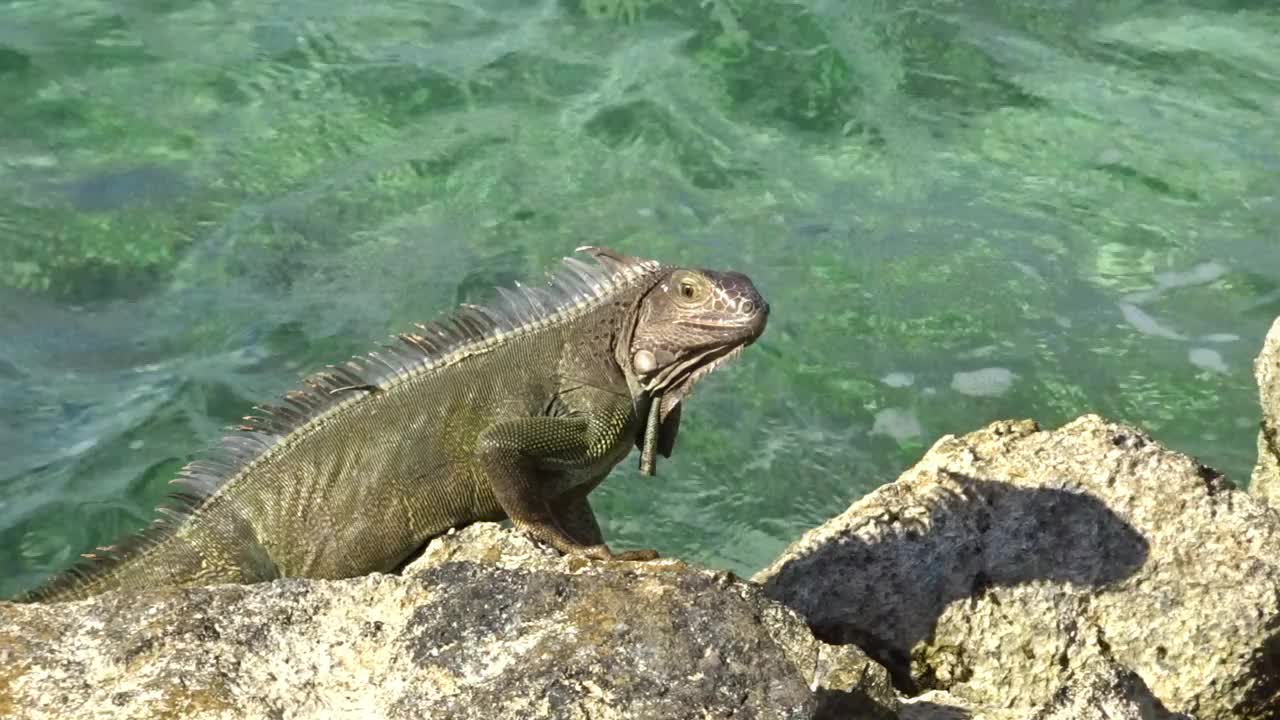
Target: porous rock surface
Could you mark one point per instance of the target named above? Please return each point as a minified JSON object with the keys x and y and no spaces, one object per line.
{"x":1103,"y":691}
{"x":1266,"y":475}
{"x":485,"y":625}
{"x":1009,"y":560}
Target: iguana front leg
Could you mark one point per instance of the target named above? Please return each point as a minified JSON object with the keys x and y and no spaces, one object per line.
{"x":575,"y":515}
{"x":515,"y":455}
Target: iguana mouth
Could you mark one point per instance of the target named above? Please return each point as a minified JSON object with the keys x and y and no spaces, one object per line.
{"x":674,"y":383}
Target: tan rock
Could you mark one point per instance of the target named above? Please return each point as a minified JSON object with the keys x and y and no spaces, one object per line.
{"x":487,"y":625}
{"x":1102,"y":691}
{"x":1008,"y":560}
{"x":1266,"y":475}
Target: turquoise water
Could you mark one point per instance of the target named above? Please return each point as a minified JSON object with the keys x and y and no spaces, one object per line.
{"x":959,"y":212}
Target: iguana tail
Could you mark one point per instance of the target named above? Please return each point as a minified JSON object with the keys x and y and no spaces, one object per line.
{"x":164,"y":555}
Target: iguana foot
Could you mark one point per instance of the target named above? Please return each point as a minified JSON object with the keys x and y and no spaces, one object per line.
{"x":554,"y":535}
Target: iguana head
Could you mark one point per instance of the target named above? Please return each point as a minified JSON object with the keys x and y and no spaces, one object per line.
{"x":684,"y":325}
{"x":689,"y":323}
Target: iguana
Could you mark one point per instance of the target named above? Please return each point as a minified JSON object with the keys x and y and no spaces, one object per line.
{"x":514,"y":410}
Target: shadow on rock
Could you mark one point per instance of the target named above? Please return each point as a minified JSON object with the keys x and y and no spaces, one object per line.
{"x":900,"y":561}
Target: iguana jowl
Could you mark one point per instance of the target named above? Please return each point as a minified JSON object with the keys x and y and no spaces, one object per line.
{"x":514,"y":410}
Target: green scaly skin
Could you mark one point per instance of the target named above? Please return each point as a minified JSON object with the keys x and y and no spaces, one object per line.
{"x":514,"y":411}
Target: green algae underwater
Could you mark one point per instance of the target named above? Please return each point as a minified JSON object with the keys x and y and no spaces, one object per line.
{"x":959,"y":212}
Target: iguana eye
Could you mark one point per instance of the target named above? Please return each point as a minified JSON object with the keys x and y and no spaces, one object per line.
{"x":688,"y":290}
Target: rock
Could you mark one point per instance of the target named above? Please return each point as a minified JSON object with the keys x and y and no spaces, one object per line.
{"x":987,"y":382}
{"x":851,"y":685}
{"x":942,"y":705}
{"x":848,"y":684}
{"x":1008,"y":560}
{"x":485,"y":625}
{"x":1103,"y":691}
{"x":1266,"y":476}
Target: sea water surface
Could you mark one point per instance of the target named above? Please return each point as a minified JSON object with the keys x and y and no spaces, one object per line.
{"x":959,"y":212}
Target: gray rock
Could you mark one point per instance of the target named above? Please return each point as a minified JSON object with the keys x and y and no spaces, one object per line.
{"x":485,"y":625}
{"x":1266,"y":475}
{"x":1008,"y":560}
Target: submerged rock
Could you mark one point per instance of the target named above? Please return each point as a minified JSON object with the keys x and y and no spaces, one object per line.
{"x":486,"y":624}
{"x":986,"y":382}
{"x":122,"y":188}
{"x":900,"y":424}
{"x":1009,"y":560}
{"x":1266,"y":475}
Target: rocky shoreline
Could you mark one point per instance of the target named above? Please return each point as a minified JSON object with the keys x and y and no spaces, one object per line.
{"x":1013,"y":572}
